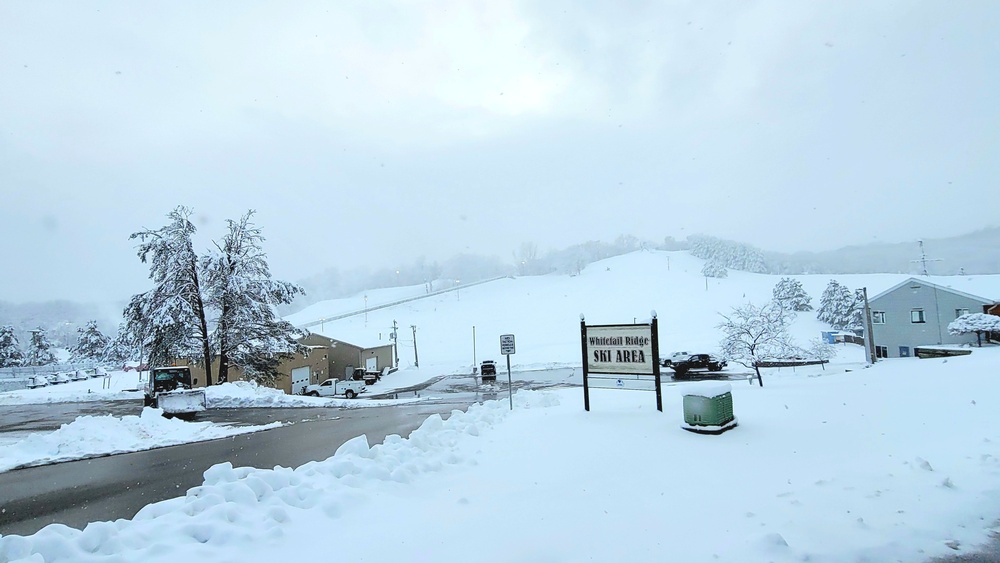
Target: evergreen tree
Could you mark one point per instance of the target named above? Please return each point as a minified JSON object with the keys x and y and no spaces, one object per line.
{"x":714,"y":269}
{"x":828,"y":309}
{"x":248,"y":335}
{"x":840,"y":307}
{"x":90,"y":345}
{"x":729,"y":254}
{"x":790,"y":294}
{"x":170,"y":318}
{"x":855,"y":314}
{"x":10,"y":349}
{"x":39,"y":350}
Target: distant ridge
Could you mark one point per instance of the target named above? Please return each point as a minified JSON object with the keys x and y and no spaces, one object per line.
{"x":974,"y":253}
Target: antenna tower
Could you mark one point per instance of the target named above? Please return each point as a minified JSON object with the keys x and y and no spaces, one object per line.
{"x":924,"y":259}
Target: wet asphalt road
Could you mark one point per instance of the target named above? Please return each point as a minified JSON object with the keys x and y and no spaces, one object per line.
{"x":111,"y":487}
{"x":107,"y":488}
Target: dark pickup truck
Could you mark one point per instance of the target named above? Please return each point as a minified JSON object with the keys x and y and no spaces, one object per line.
{"x":488,"y":370}
{"x":697,"y":361}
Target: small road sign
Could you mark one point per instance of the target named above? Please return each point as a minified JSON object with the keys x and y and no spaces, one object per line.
{"x":506,"y":344}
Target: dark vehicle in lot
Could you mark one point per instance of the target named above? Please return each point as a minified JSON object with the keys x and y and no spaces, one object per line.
{"x":697,"y":361}
{"x":488,"y":370}
{"x":369,"y":377}
{"x":675,"y":357}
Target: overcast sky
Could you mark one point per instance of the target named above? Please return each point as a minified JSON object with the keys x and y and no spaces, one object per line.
{"x":371,"y":133}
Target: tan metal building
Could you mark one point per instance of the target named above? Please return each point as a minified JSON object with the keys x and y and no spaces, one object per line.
{"x":325,"y":357}
{"x":344,"y":356}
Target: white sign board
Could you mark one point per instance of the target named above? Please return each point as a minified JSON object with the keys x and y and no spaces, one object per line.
{"x":620,"y":349}
{"x":506,"y":344}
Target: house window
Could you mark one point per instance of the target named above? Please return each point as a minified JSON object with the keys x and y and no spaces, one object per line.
{"x":960,"y":312}
{"x":881,"y":351}
{"x":878,"y":317}
{"x":917,"y":316}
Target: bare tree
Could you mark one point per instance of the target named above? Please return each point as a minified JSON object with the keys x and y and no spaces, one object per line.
{"x":753,"y":334}
{"x":525,"y":258}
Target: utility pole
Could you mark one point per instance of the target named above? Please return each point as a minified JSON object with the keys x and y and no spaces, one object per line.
{"x":416,"y":361}
{"x":870,"y":355}
{"x":474,"y":367}
{"x":395,"y":342}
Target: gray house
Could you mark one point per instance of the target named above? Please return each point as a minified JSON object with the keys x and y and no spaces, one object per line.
{"x":916,"y":313}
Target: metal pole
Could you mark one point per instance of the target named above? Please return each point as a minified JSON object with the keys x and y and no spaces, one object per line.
{"x":583,"y":351}
{"x":510,"y":387}
{"x":416,"y":362}
{"x":473,"y":348}
{"x":395,"y":342}
{"x":654,"y":329}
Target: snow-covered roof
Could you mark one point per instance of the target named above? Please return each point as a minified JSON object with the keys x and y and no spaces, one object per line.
{"x":983,"y":300}
{"x":366,"y":342}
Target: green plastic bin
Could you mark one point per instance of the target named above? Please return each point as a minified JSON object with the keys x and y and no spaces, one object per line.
{"x":708,"y":407}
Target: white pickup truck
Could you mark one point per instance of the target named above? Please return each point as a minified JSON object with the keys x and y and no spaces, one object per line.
{"x":334,"y":387}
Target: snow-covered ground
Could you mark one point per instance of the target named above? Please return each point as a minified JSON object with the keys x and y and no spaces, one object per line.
{"x":900,"y":461}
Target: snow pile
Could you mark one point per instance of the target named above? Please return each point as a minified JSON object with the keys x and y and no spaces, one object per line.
{"x":238,"y":394}
{"x":897,"y":462}
{"x":93,"y":436}
{"x":242,"y":506}
{"x":248,"y":394}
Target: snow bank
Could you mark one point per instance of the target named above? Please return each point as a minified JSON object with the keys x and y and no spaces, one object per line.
{"x":93,"y":436}
{"x":247,"y":394}
{"x":237,"y":506}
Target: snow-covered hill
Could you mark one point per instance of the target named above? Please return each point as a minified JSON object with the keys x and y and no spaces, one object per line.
{"x":543,"y":312}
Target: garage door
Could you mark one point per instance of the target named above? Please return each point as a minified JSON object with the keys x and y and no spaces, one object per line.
{"x":300,"y":378}
{"x":371,"y":364}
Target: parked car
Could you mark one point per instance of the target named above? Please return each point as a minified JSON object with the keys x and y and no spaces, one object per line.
{"x":675,"y":357}
{"x":697,"y":361}
{"x":37,"y":381}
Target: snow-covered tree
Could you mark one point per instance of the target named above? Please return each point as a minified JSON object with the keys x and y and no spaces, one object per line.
{"x":248,"y":333}
{"x":978,"y":323}
{"x":714,"y":269}
{"x":170,"y":318}
{"x":91,"y":344}
{"x":39,"y":349}
{"x":10,"y":349}
{"x":820,"y":349}
{"x":752,"y":334}
{"x":840,"y":307}
{"x":856,"y":313}
{"x":730,"y":254}
{"x":790,"y":294}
